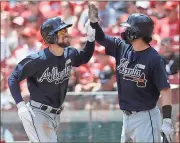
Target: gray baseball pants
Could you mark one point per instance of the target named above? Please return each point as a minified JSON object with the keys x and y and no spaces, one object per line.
{"x":142,"y":127}
{"x":44,"y":126}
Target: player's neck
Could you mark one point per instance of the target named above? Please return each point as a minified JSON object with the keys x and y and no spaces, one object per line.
{"x":139,"y":46}
{"x":56,"y":50}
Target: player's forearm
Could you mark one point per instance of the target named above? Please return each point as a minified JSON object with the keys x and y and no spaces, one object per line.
{"x":14,"y":87}
{"x":103,"y":39}
{"x":88,"y":51}
{"x":166,"y":97}
{"x":99,"y":32}
{"x":166,"y":102}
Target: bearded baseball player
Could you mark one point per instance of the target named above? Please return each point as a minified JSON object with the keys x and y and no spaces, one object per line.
{"x":141,"y":79}
{"x":47,"y":74}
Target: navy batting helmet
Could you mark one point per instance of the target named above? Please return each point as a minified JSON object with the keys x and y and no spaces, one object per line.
{"x":50,"y":28}
{"x":138,"y":26}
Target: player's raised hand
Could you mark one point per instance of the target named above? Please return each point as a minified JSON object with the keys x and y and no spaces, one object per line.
{"x":93,"y":13}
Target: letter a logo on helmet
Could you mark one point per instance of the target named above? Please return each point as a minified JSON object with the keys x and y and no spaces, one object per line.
{"x":50,"y":28}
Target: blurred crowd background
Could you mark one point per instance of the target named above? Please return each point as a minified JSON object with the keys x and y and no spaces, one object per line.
{"x":20,"y":36}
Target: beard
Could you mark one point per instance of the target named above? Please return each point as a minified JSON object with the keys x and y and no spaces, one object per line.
{"x":65,"y":42}
{"x":63,"y":45}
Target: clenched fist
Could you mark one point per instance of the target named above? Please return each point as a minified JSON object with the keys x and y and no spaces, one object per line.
{"x":93,"y":13}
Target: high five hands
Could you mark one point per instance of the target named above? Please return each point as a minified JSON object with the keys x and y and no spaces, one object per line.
{"x":93,"y":13}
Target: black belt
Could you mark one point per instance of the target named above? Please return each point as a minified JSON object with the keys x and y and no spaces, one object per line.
{"x":46,"y":108}
{"x":54,"y":111}
{"x":129,"y":112}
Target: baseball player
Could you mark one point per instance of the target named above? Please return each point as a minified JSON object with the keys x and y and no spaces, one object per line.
{"x":141,"y":79}
{"x":47,"y":74}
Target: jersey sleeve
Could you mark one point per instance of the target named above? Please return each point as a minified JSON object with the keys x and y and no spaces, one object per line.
{"x":79,"y":57}
{"x":110,"y":43}
{"x":160,"y":77}
{"x":23,"y":70}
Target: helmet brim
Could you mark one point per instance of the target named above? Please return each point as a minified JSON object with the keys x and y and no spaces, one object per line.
{"x":125,"y":24}
{"x":61,"y":27}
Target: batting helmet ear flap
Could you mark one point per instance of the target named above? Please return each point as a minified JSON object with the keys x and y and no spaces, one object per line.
{"x":136,"y":34}
{"x":129,"y":34}
{"x":132,"y":34}
{"x":53,"y":39}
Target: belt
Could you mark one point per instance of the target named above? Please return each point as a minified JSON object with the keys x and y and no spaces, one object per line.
{"x":51,"y":109}
{"x":46,"y":108}
{"x":129,"y":112}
